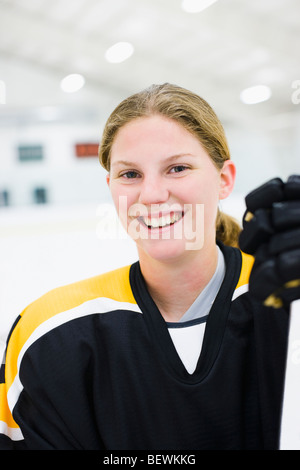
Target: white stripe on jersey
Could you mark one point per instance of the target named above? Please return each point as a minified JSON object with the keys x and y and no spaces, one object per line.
{"x":239,"y":291}
{"x":13,"y":433}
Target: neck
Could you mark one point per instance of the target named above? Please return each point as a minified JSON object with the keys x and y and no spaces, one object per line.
{"x":175,"y":285}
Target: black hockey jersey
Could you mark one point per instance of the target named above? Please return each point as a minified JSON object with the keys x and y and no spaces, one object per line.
{"x":92,"y":365}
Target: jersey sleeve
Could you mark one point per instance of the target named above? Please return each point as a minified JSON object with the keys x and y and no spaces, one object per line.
{"x":40,"y":388}
{"x":11,"y":436}
{"x":45,"y":375}
{"x":27,"y":395}
{"x":28,"y":419}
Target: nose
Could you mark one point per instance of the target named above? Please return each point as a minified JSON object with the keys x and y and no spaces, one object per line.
{"x":153,"y":191}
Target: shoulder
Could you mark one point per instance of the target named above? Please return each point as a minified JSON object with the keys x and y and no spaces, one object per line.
{"x":113,"y":285}
{"x":104,"y":292}
{"x":98,"y":294}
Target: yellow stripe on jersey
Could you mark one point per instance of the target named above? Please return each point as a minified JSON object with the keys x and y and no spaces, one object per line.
{"x":247,"y":263}
{"x":113,"y":285}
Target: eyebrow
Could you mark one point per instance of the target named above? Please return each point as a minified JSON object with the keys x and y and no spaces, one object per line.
{"x":168,"y":159}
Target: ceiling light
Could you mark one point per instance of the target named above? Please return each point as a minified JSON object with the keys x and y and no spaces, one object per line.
{"x":255,"y":94}
{"x":119,"y":52}
{"x":194,"y":6}
{"x":72,"y":83}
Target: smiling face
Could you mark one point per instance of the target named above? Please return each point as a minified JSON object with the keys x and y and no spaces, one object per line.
{"x":165,"y":187}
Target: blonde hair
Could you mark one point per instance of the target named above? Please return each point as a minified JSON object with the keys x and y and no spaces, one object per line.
{"x":194,"y":114}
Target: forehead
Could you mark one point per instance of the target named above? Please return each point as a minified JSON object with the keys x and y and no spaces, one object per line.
{"x":153,"y":134}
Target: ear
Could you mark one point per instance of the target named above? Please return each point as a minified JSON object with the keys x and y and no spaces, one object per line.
{"x":107,"y":179}
{"x":227,"y":179}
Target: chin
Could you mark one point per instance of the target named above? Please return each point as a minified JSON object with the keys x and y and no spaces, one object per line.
{"x":163,"y":250}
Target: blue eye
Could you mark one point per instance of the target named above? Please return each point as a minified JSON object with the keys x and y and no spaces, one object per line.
{"x":178,"y":168}
{"x":130,"y":174}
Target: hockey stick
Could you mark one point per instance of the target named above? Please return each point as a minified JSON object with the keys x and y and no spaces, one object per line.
{"x":290,"y":419}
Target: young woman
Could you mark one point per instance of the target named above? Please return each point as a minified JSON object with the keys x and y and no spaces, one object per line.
{"x":171,"y":352}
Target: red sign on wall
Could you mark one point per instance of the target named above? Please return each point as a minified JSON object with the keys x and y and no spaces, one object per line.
{"x":86,"y":150}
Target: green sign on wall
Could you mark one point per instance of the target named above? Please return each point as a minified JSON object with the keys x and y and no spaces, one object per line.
{"x":30,"y":152}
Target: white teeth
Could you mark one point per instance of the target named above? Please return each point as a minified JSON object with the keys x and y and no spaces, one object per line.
{"x":153,"y":223}
{"x":162,"y":221}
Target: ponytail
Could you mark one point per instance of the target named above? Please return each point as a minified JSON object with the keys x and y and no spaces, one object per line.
{"x":227,"y":229}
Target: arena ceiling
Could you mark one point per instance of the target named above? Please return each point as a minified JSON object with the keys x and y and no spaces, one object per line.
{"x":218,"y":52}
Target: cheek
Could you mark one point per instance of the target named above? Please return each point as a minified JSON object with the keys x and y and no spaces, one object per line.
{"x":206,"y":191}
{"x":120,"y":202}
{"x":123,"y":199}
{"x":203,"y":190}
{"x":119,"y":196}
{"x":115,"y":197}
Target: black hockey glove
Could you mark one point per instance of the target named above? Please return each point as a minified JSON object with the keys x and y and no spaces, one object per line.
{"x":271,"y":233}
